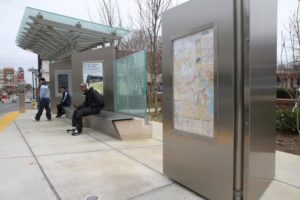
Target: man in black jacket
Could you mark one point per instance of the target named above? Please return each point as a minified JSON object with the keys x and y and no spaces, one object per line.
{"x":92,"y":105}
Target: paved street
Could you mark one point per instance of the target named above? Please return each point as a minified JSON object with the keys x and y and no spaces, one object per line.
{"x":11,"y":107}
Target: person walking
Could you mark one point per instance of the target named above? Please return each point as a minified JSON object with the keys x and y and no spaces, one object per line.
{"x":65,"y":101}
{"x":44,"y":100}
{"x":92,"y":105}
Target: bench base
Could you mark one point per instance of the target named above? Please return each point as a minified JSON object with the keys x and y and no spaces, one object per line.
{"x":120,"y":126}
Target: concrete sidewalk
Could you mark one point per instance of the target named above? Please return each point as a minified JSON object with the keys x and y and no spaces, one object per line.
{"x":39,"y":160}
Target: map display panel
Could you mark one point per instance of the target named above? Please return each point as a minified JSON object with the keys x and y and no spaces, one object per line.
{"x":193,"y":85}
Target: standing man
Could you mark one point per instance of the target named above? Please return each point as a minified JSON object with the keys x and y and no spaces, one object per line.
{"x":65,"y":102}
{"x":92,"y":105}
{"x":44,"y":100}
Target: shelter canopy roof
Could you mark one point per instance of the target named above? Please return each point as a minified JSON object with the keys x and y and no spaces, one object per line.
{"x":56,"y":37}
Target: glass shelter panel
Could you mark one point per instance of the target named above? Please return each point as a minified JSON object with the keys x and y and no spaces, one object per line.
{"x":194,"y":83}
{"x":32,"y":12}
{"x":131,"y":84}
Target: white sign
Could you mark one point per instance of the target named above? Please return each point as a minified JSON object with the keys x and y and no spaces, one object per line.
{"x":93,"y":75}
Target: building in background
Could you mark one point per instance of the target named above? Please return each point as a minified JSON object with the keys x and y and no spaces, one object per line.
{"x":45,"y":69}
{"x":1,"y":79}
{"x":10,"y":81}
{"x":288,"y":77}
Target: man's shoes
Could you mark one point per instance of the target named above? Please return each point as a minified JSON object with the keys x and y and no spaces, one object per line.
{"x":34,"y":119}
{"x":71,"y":129}
{"x":49,"y":119}
{"x":75,"y":132}
{"x":59,"y":115}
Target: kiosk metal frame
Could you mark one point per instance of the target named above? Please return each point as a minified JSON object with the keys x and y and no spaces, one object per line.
{"x":238,"y":162}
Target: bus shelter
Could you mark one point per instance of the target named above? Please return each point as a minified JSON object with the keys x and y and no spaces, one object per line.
{"x":81,"y":51}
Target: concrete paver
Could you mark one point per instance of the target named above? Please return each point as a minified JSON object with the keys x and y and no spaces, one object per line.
{"x":21,"y":178}
{"x":150,"y":156}
{"x":52,"y":138}
{"x":157,"y":130}
{"x":107,"y":174}
{"x":281,"y":191}
{"x":126,"y":144}
{"x":12,"y":144}
{"x":288,"y":168}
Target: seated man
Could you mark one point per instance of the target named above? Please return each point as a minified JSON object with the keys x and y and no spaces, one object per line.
{"x":65,"y":102}
{"x":93,"y":104}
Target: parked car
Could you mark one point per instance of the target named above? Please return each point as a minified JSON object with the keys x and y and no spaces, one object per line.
{"x":27,"y":100}
{"x":15,"y":99}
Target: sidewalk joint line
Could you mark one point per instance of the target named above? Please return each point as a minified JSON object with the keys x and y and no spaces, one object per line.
{"x":279,"y":181}
{"x":70,"y":153}
{"x":139,"y":147}
{"x":39,"y":164}
{"x":16,"y":157}
{"x":150,"y":191}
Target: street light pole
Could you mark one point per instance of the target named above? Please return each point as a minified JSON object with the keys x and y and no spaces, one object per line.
{"x":33,"y":96}
{"x":36,"y":81}
{"x":34,"y":73}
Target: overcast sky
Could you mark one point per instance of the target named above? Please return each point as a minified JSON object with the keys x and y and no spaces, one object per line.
{"x":11,"y":13}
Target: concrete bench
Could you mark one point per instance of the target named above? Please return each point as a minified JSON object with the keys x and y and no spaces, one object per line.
{"x":120,"y":126}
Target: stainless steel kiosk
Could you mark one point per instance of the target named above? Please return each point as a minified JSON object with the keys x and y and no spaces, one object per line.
{"x":219,"y":63}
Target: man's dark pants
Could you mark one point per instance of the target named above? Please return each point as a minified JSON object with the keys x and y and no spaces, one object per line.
{"x":60,"y":110}
{"x":43,"y":103}
{"x":82,"y":112}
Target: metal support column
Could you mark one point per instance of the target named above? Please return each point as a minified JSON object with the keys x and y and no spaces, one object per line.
{"x":39,"y":66}
{"x":33,"y":95}
{"x":238,"y":99}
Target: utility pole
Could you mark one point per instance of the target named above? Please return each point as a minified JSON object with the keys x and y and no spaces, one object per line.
{"x":21,"y":89}
{"x":34,"y":73}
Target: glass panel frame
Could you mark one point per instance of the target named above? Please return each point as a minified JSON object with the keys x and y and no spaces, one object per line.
{"x":198,"y":120}
{"x":130,"y":82}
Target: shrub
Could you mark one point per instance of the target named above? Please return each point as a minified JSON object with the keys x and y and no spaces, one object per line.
{"x":286,"y":120}
{"x":283,"y":93}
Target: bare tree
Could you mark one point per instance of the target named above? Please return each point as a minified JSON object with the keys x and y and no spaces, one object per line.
{"x":290,"y":53}
{"x":109,"y":12}
{"x":150,"y":15}
{"x":146,"y":35}
{"x":136,"y":40}
{"x":293,"y":31}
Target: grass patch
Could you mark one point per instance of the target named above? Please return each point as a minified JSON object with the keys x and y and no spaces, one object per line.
{"x":156,"y":117}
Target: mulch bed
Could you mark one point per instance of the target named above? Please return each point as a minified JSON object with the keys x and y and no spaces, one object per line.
{"x":288,"y":142}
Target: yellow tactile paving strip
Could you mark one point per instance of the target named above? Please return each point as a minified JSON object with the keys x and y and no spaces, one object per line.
{"x":7,"y":119}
